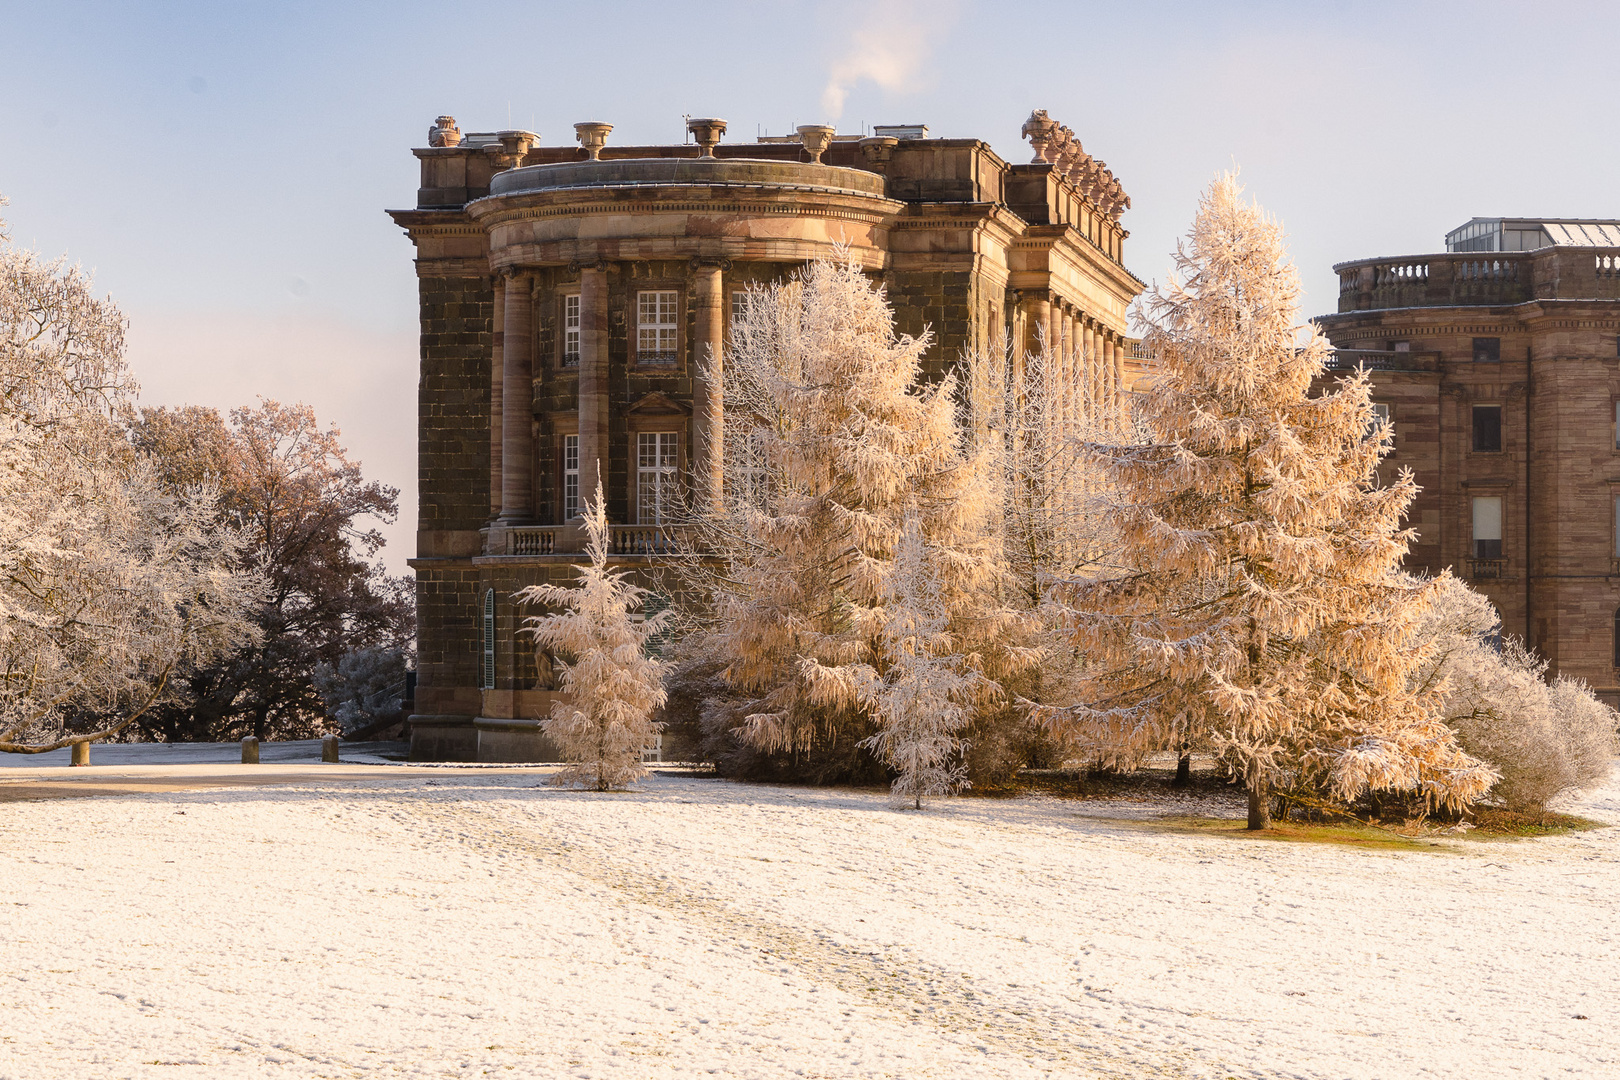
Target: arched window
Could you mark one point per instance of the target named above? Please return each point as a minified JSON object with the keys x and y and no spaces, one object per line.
{"x":488,"y":681}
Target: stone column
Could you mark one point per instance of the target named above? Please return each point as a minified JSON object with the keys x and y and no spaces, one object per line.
{"x":708,"y":397}
{"x":1122,"y":399}
{"x":1112,"y":374}
{"x":593,"y":379}
{"x":517,"y":400}
{"x":1035,"y":312}
{"x":496,"y":396}
{"x":1093,"y":358}
{"x":1076,"y":367}
{"x":1057,"y":351}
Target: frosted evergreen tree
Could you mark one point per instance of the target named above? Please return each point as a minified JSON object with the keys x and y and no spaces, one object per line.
{"x":833,"y":440}
{"x":919,"y":692}
{"x":610,"y":686}
{"x":1260,"y":608}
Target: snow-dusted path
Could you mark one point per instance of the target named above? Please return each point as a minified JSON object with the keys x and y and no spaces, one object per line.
{"x":428,"y":923}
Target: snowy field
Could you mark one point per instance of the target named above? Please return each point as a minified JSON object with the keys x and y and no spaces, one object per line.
{"x":383,"y":921}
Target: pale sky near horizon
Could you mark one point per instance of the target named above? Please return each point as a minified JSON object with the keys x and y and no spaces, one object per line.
{"x":223,"y":168}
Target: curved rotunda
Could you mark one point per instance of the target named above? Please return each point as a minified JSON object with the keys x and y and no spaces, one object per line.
{"x":569,"y":295}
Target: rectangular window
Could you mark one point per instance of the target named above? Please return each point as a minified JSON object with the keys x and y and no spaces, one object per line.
{"x":740,"y":300}
{"x":656,"y":327}
{"x":1487,"y":350}
{"x":570,"y":477}
{"x":1488,"y":527}
{"x":1380,"y":418}
{"x":1617,"y":425}
{"x":1487,"y":428}
{"x":753,"y":471}
{"x":1617,"y":526}
{"x":1403,"y":346}
{"x":570,"y":334}
{"x":657,"y":474}
{"x":488,"y":642}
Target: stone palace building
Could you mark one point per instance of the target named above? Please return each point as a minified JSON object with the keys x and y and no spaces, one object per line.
{"x":568,"y":294}
{"x":1498,"y":363}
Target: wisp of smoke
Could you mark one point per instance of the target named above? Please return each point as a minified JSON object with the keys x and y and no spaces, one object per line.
{"x":889,"y":46}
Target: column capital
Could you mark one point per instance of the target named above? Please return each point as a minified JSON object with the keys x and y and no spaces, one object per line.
{"x":577,"y":265}
{"x":705,"y":262}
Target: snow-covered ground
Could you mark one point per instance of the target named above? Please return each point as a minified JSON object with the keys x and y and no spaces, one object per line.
{"x":359,"y":921}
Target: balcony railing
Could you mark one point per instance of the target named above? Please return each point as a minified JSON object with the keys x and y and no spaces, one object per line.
{"x":622,"y":540}
{"x":648,"y":539}
{"x":532,"y":540}
{"x":1382,"y":360}
{"x":1484,"y":569}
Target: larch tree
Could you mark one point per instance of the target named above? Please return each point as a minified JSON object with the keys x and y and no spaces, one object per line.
{"x":610,"y":686}
{"x":833,"y":443}
{"x":110,"y":582}
{"x":1260,"y":608}
{"x":920,"y":696}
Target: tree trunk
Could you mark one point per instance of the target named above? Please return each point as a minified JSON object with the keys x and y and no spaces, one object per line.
{"x":1259,"y":803}
{"x":1183,"y":771}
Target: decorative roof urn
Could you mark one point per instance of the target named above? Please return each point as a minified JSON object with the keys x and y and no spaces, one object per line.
{"x":444,"y":132}
{"x":878,"y":150}
{"x":514,"y":145}
{"x":707,"y":132}
{"x":1038,"y":130}
{"x":816,"y":139}
{"x":592,"y":135}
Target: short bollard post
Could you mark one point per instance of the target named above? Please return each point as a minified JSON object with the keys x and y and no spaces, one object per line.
{"x":329,"y":748}
{"x":81,"y":753}
{"x":250,"y":751}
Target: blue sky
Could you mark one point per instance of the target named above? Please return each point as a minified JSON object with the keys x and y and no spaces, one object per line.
{"x":223,"y":167}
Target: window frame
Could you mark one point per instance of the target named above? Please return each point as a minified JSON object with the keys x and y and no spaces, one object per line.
{"x":1474,"y":413}
{"x":569,"y":437}
{"x":569,"y":360}
{"x":663,"y":512}
{"x":659,"y":360}
{"x":486,"y":665}
{"x":1490,"y":347}
{"x":1475,"y":540}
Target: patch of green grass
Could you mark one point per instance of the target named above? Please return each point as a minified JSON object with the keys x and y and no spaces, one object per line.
{"x":1347,"y":834}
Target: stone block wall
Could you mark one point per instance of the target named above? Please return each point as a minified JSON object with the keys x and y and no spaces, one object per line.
{"x":457,"y":315}
{"x":447,"y":636}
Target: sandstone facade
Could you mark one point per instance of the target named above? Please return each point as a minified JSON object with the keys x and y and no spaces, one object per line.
{"x":569,"y":293}
{"x":1500,"y":369}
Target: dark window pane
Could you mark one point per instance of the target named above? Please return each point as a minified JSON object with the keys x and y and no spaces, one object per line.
{"x":1487,"y":350}
{"x":1488,"y":428}
{"x":1487,"y":549}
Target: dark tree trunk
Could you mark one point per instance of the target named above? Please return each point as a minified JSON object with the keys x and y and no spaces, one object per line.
{"x":1259,"y":803}
{"x":1183,"y":771}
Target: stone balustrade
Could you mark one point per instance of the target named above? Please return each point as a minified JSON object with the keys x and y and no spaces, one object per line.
{"x":1346,"y":360}
{"x":648,"y":539}
{"x":1479,"y":278}
{"x":532,"y":539}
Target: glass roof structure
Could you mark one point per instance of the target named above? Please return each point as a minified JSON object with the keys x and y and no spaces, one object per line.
{"x":1529,"y":234}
